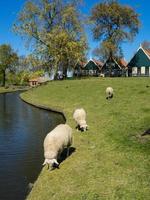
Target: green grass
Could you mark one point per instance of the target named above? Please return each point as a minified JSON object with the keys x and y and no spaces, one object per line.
{"x":12,"y":89}
{"x":5,"y":90}
{"x":111,"y":160}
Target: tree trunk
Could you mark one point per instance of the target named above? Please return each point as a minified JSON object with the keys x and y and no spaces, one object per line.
{"x":110,"y":57}
{"x":4,"y":78}
{"x":65,"y":71}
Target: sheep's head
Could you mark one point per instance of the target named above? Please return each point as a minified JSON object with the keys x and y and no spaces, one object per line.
{"x":52,"y":162}
{"x":83,"y":127}
{"x":110,"y":96}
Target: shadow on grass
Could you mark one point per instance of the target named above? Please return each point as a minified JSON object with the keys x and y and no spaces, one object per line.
{"x":64,"y":154}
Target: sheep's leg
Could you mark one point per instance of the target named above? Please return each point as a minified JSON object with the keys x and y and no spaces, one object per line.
{"x":47,"y":166}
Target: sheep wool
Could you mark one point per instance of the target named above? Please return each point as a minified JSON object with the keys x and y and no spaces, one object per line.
{"x":55,"y":142}
{"x":79,"y":116}
{"x":109,"y":92}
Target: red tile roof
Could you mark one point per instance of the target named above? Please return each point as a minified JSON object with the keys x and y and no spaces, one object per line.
{"x":98,"y":62}
{"x":82,"y":64}
{"x":122,"y":63}
{"x":33,"y":79}
{"x":147,"y":51}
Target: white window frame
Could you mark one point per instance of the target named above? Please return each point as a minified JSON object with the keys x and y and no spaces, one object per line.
{"x":90,"y":72}
{"x":143,"y":70}
{"x":134,"y":71}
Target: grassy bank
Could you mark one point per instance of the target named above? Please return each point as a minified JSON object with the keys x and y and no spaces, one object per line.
{"x":5,"y":90}
{"x":12,"y":89}
{"x":111,"y":160}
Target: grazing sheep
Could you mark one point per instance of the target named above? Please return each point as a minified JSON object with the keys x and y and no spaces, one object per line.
{"x":79,"y":116}
{"x":109,"y":92}
{"x":55,"y":142}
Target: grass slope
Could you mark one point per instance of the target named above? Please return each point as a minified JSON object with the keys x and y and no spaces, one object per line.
{"x":12,"y":89}
{"x":4,"y":90}
{"x":111,"y":160}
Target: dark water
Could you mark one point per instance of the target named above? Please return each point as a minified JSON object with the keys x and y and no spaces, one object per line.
{"x":22,"y":130}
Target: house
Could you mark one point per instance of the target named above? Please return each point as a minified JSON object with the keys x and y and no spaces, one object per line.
{"x":139,"y":64}
{"x":78,"y":69}
{"x":33,"y":82}
{"x":91,"y":68}
{"x":114,"y":67}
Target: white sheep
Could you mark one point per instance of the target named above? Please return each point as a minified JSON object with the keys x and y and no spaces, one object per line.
{"x":55,"y":142}
{"x":109,"y":92}
{"x":79,"y":116}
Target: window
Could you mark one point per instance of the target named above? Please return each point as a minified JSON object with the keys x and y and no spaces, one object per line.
{"x":142,"y":70}
{"x":90,"y":72}
{"x":134,"y":71}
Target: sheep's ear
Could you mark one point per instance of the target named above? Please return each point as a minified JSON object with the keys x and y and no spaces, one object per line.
{"x":45,"y":162}
{"x":55,"y":164}
{"x":111,"y":96}
{"x":81,"y":129}
{"x":78,"y":127}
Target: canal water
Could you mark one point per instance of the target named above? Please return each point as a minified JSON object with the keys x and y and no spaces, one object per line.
{"x":22,"y":131}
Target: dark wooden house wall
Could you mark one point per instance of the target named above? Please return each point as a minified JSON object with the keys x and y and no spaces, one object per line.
{"x":78,"y":70}
{"x":139,"y":60}
{"x":91,"y":69}
{"x":111,"y":68}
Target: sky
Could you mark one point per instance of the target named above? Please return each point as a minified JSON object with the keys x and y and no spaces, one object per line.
{"x":9,"y":10}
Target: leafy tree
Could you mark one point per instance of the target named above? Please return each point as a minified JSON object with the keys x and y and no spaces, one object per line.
{"x":112,"y":24}
{"x":26,"y":63}
{"x":8,"y":60}
{"x":54,"y":29}
{"x":65,"y":50}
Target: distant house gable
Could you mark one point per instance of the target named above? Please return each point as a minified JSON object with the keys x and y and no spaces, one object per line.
{"x":78,"y":68}
{"x":114,"y":67}
{"x":112,"y":61}
{"x":98,"y":63}
{"x":90,"y":68}
{"x":139,"y":64}
{"x":140,"y":58}
{"x":91,"y":65}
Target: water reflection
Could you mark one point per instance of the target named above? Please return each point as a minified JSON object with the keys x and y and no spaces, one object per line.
{"x":22,"y":130}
